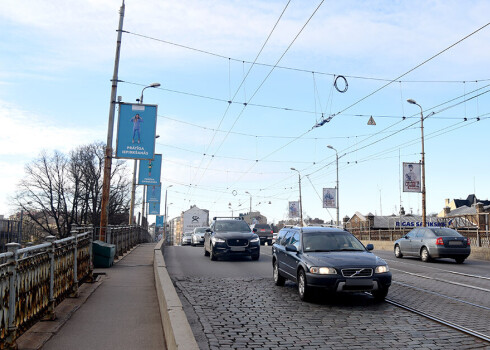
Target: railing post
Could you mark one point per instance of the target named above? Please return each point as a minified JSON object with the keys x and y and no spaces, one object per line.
{"x":74,"y":289}
{"x":50,"y":314}
{"x":12,"y":328}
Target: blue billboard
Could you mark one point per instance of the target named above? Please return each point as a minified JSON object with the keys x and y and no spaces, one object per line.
{"x":136,"y":131}
{"x":159,"y":221}
{"x":149,"y":172}
{"x":154,"y":208}
{"x":153,"y":193}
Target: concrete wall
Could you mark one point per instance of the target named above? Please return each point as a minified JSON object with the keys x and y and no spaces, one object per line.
{"x":478,"y":253}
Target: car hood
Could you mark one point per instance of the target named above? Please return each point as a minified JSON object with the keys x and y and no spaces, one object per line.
{"x":343,"y":259}
{"x":235,"y":235}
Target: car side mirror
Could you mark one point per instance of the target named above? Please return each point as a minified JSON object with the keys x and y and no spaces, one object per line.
{"x":291,"y":248}
{"x":208,"y":230}
{"x":406,"y":237}
{"x":254,"y":229}
{"x":370,"y":246}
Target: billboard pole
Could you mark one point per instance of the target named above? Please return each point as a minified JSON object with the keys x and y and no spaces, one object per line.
{"x":106,"y":185}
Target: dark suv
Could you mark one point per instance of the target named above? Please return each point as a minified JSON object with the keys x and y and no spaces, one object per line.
{"x":230,"y":237}
{"x":265,"y":233}
{"x":330,"y":258}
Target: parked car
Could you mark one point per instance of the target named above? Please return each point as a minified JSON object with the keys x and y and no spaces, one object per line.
{"x":433,"y":242}
{"x":187,"y":238}
{"x":328,"y":258}
{"x":265,"y":232}
{"x":230,"y":236}
{"x":198,"y":236}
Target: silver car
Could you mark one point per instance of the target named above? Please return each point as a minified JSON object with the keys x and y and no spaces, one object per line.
{"x":433,"y":242}
{"x":198,"y":236}
{"x":187,"y":238}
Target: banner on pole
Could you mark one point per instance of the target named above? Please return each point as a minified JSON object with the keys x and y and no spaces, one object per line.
{"x":159,"y":220}
{"x":154,"y":208}
{"x":294,"y":209}
{"x":150,"y":170}
{"x":136,"y":131}
{"x":411,"y":177}
{"x":153,"y":193}
{"x":330,"y":198}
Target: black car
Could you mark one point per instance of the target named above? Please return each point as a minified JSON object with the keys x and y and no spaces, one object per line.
{"x":230,"y":237}
{"x":433,"y":242}
{"x":264,"y":231}
{"x":328,"y":258}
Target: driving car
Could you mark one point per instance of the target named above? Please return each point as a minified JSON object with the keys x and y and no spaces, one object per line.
{"x":429,"y":243}
{"x":329,"y":259}
{"x":230,"y":236}
{"x":198,"y":236}
{"x":264,"y":231}
{"x":186,"y":238}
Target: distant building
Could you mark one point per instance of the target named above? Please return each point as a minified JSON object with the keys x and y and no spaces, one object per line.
{"x":390,"y":222}
{"x":470,"y":212}
{"x":253,"y":217}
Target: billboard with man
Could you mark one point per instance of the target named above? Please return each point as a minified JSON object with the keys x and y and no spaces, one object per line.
{"x":411,"y":177}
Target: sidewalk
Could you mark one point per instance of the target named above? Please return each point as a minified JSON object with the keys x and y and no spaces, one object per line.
{"x":121,"y":312}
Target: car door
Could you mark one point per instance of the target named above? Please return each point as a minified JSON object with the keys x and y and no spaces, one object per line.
{"x":418,"y":241}
{"x":405,"y":243}
{"x":291,"y":258}
{"x":282,"y":257}
{"x":207,"y":237}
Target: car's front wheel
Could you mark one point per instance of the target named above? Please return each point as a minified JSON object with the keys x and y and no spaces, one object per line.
{"x":278,"y":279}
{"x":206,"y":253}
{"x":380,"y":294}
{"x":303,"y":289}
{"x":212,"y":256}
{"x":255,"y":257}
{"x":398,"y":252}
{"x":424,"y":255}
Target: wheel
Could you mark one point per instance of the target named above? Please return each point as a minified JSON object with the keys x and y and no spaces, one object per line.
{"x":278,"y":279}
{"x":206,"y":253}
{"x":255,"y":257}
{"x":212,"y":256}
{"x":398,"y":252}
{"x":380,"y":294}
{"x":459,"y":260}
{"x":303,"y":289}
{"x":269,"y":242}
{"x":424,"y":255}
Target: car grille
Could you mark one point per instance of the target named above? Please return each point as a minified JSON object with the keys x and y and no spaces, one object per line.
{"x":237,"y":242}
{"x":359,"y":272}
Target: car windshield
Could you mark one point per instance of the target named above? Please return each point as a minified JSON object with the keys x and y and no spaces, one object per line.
{"x":330,"y":241}
{"x":445,"y":232}
{"x":188,"y":234}
{"x":235,"y":226}
{"x":200,"y":230}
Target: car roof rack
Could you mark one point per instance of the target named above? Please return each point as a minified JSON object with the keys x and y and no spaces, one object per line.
{"x":228,"y":217}
{"x":326,"y":225}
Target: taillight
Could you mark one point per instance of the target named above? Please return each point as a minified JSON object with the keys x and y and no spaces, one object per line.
{"x":467,"y":241}
{"x":272,"y":231}
{"x":439,"y":241}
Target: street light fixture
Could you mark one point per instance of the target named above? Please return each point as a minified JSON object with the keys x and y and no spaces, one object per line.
{"x":250,"y":201}
{"x":153,"y":85}
{"x":424,"y":217}
{"x":300,"y":200}
{"x":337,"y":199}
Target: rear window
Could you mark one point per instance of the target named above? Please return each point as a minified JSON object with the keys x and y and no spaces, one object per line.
{"x":445,"y":232}
{"x":257,"y":226}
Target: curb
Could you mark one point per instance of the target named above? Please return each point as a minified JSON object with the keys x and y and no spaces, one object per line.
{"x":177,"y":331}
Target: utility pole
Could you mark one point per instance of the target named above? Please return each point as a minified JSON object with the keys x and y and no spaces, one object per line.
{"x":106,"y":185}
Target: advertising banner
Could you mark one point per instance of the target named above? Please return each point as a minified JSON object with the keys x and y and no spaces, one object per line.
{"x":330,"y":198}
{"x":154,"y":208}
{"x":149,"y":171}
{"x":136,"y":131}
{"x":159,"y":220}
{"x":411,"y":177}
{"x":294,"y":209}
{"x":153,"y":193}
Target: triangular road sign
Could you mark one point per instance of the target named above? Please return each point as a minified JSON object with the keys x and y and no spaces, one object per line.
{"x":371,"y":121}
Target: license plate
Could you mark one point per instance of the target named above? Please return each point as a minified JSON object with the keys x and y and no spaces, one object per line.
{"x":359,"y":283}
{"x":455,"y":243}
{"x":237,"y":249}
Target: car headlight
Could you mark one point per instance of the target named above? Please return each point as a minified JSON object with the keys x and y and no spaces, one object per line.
{"x":255,"y":240}
{"x":323,"y":270}
{"x":217,"y":240}
{"x":382,"y":269}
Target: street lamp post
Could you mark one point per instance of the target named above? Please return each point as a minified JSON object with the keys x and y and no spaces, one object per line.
{"x":300,"y":200}
{"x":424,"y":217}
{"x":337,"y":199}
{"x":250,"y":201}
{"x":133,"y":187}
{"x":165,"y":218}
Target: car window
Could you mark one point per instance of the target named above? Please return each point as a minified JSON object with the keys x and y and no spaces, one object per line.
{"x":200,"y":230}
{"x":412,"y":233}
{"x":232,"y":225}
{"x":420,"y":233}
{"x":330,"y":241}
{"x":445,"y":232}
{"x":266,"y":226}
{"x":286,"y":238}
{"x":295,"y":240}
{"x":280,"y":236}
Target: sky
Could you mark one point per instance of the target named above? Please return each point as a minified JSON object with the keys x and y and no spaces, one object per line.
{"x":277,"y":62}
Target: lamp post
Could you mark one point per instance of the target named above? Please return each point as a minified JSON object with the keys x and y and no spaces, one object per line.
{"x":337,"y":199}
{"x":133,"y":188}
{"x":300,"y":201}
{"x":250,"y":201}
{"x":165,"y":218}
{"x":424,"y":217}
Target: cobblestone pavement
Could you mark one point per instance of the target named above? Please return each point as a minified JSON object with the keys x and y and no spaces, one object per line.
{"x":253,"y":313}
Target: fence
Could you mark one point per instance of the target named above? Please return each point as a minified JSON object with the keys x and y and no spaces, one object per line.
{"x":478,"y":238}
